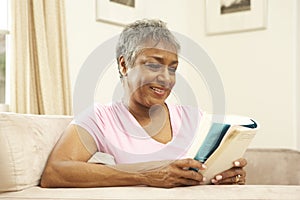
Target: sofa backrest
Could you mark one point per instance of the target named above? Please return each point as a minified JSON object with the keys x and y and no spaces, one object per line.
{"x":272,"y":167}
{"x":25,"y":144}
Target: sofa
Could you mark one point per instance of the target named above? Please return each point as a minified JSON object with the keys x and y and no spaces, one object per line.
{"x":26,"y":141}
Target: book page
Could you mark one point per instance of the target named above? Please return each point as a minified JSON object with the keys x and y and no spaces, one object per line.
{"x":232,"y":147}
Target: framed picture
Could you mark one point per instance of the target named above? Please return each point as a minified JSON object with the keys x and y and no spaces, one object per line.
{"x":119,"y":12}
{"x":227,"y":16}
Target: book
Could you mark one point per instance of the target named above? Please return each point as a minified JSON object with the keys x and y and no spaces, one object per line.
{"x":220,"y":141}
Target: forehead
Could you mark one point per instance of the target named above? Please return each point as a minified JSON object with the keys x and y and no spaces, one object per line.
{"x":158,"y":53}
{"x":162,"y":49}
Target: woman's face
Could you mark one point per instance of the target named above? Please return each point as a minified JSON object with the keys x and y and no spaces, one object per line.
{"x":151,"y":79}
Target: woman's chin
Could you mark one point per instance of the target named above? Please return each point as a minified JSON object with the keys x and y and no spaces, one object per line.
{"x":156,"y":102}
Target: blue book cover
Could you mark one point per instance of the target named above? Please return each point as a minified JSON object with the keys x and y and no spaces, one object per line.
{"x":214,"y":138}
{"x":212,"y":141}
{"x":215,"y":131}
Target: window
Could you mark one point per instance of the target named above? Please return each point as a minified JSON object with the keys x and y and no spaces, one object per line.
{"x":4,"y":50}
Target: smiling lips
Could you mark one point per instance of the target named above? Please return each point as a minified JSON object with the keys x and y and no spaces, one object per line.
{"x":159,"y":91}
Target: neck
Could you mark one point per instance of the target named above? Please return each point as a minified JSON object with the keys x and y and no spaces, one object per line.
{"x":144,"y":115}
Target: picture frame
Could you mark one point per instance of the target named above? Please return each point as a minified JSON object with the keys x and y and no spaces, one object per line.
{"x":248,"y":15}
{"x":117,"y":12}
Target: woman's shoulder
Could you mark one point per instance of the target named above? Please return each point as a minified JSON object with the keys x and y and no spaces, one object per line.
{"x":99,"y":109}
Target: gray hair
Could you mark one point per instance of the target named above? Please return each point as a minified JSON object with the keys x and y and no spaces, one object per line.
{"x":139,"y":32}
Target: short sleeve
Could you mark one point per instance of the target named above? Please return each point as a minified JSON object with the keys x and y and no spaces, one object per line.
{"x":92,"y":121}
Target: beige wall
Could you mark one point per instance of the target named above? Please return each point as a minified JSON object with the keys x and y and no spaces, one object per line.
{"x":297,"y":73}
{"x":258,"y":68}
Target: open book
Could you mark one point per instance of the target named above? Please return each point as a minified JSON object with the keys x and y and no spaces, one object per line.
{"x":220,"y":141}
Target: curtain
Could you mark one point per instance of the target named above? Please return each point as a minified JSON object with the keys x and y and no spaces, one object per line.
{"x":40,"y":77}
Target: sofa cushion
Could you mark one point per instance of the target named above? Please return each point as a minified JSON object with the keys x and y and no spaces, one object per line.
{"x":25,"y":144}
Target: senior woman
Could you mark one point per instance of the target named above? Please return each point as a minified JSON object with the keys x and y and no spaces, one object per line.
{"x":147,"y":137}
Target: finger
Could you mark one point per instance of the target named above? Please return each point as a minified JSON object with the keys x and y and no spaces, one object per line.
{"x":230,"y":173}
{"x":176,"y":171}
{"x":191,"y":174}
{"x":179,"y":177}
{"x":232,"y":180}
{"x":242,"y":162}
{"x":187,"y":163}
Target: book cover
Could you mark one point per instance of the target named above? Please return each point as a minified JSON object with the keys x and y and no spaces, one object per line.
{"x":220,"y":141}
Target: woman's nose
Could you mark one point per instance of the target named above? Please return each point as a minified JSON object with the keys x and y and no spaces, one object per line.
{"x":164,"y":75}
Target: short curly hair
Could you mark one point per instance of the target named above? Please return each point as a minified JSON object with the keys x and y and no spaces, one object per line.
{"x":139,"y":32}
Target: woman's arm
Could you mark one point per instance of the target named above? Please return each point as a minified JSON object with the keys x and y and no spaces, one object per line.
{"x":67,"y":167}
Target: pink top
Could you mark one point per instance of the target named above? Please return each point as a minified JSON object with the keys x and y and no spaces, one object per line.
{"x":118,"y":133}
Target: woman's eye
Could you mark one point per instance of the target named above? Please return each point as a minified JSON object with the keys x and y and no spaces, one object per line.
{"x":158,"y":66}
{"x":153,"y":65}
{"x":172,"y":69}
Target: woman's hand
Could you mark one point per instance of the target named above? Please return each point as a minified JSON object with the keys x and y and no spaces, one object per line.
{"x":235,"y":175}
{"x":175,"y":174}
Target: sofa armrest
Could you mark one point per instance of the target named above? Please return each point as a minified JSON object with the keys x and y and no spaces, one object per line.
{"x":25,"y":144}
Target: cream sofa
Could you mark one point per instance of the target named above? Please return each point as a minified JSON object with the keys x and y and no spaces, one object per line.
{"x":27,"y":140}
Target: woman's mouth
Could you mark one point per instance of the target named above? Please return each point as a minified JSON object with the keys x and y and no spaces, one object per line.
{"x":159,"y":91}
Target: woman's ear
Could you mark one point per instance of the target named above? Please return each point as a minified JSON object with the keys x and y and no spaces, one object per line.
{"x":122,"y":66}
